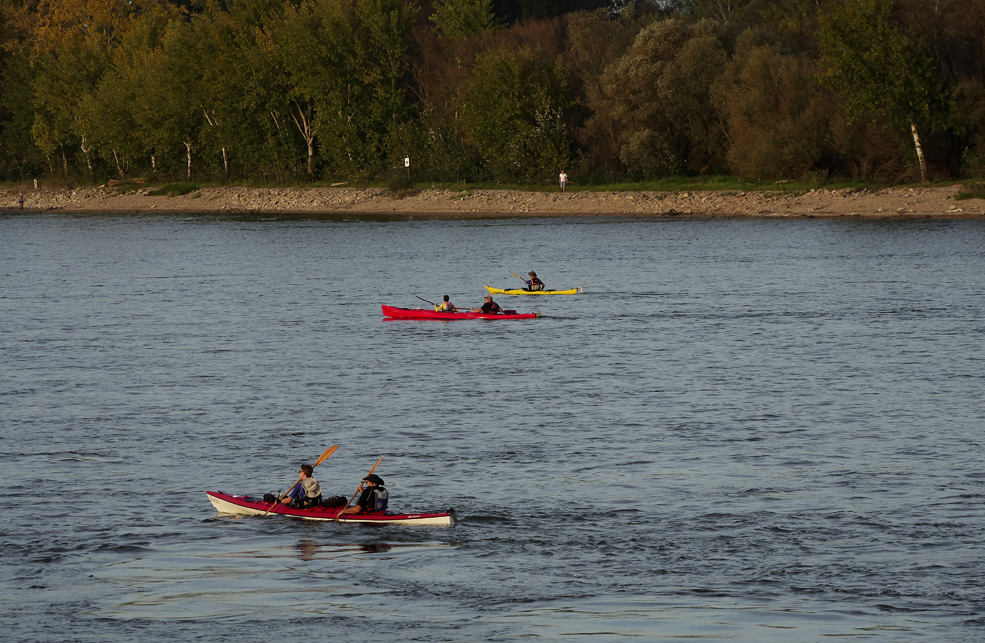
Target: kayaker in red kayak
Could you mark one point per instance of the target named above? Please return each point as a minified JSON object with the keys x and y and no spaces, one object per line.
{"x":307,"y":491}
{"x":446,"y":307}
{"x":534,"y":283}
{"x":489,"y":307}
{"x":373,"y":498}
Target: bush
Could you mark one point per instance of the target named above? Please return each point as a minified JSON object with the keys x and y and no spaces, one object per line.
{"x":971,"y":191}
{"x":399,"y":185}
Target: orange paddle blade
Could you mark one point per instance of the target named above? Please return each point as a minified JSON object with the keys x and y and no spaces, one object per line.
{"x":329,"y":451}
{"x":375,"y":465}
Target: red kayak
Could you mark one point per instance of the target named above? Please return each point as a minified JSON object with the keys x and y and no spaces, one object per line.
{"x":423,"y":313}
{"x":249,"y":506}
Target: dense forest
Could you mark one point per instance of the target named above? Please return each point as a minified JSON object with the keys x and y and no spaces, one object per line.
{"x":491,"y":90}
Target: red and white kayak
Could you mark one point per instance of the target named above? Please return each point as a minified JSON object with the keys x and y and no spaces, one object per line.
{"x":423,"y":313}
{"x":249,"y":506}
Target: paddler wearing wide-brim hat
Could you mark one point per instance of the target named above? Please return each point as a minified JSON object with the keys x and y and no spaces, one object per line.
{"x":372,"y":496}
{"x":307,"y":491}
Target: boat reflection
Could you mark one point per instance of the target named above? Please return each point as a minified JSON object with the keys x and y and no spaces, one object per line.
{"x":307,"y":550}
{"x":310,"y":550}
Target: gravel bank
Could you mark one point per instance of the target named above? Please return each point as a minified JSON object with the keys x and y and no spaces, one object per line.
{"x":901,"y":203}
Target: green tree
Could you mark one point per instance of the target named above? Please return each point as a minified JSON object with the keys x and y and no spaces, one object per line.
{"x":596,"y":41}
{"x":518,"y":113}
{"x":365,"y":95}
{"x":63,"y":82}
{"x":776,"y":114}
{"x":460,"y":19}
{"x":240,"y":102}
{"x":297,"y":58}
{"x":883,"y":75}
{"x":660,"y":97}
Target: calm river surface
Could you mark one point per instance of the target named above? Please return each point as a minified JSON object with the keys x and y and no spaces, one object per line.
{"x":742,"y":430}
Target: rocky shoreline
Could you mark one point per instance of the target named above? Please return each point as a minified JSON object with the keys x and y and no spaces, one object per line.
{"x":886,"y":203}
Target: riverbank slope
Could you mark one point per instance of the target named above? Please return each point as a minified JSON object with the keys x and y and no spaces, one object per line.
{"x":886,"y":203}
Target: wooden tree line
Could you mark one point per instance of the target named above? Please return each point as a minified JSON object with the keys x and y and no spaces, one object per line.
{"x":316,"y":90}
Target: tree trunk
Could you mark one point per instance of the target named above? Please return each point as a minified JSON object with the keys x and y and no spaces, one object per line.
{"x":919,"y":148}
{"x":153,"y":162}
{"x":280,"y":136}
{"x":85,"y":150}
{"x":118,"y":168}
{"x":303,"y":121}
{"x":214,"y":122}
{"x":64,"y":162}
{"x":188,"y":148}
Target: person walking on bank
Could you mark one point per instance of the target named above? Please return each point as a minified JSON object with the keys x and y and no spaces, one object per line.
{"x":563,"y":179}
{"x":20,"y":200}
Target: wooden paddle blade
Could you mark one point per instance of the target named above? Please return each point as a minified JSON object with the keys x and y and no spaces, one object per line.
{"x":324,"y":456}
{"x":374,"y":466}
{"x":329,"y":451}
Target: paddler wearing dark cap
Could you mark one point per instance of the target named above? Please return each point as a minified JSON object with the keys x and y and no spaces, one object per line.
{"x":371,"y":498}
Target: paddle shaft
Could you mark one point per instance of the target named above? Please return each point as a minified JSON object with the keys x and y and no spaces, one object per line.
{"x":517,"y":276}
{"x":426,"y":301}
{"x":357,"y":489}
{"x":324,"y":456}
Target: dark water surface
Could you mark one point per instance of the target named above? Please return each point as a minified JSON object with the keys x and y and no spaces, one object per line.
{"x":742,"y":430}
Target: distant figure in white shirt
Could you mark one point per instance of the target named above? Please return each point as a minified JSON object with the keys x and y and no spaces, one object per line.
{"x":563,"y":180}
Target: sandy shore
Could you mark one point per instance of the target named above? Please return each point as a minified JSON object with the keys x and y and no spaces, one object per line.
{"x":896,"y":203}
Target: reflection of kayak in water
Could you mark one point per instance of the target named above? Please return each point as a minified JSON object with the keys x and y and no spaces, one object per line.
{"x":248,"y":506}
{"x":523,"y":291}
{"x":423,"y":313}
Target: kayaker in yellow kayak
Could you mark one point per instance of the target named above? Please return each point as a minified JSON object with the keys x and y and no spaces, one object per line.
{"x":446,"y":307}
{"x":534,"y":283}
{"x":489,"y":307}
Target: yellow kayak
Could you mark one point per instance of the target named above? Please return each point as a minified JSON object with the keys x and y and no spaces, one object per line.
{"x":521,"y":291}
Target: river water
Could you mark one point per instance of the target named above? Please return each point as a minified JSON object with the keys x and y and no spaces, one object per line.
{"x":741,"y":430}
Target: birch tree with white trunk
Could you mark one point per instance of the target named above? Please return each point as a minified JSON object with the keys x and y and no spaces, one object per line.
{"x":882,"y":75}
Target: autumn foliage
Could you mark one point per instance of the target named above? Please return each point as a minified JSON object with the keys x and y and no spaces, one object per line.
{"x":474,"y":90}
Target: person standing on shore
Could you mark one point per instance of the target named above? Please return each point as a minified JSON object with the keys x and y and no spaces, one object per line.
{"x":20,"y":200}
{"x":563,"y":179}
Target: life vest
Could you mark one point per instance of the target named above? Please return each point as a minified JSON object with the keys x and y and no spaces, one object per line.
{"x":379,"y":498}
{"x":309,"y":495}
{"x":301,"y":503}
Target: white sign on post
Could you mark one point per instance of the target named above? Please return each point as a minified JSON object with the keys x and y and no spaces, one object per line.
{"x":406,"y":161}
